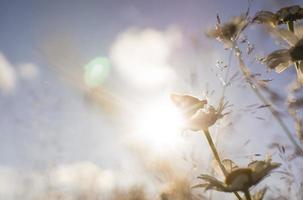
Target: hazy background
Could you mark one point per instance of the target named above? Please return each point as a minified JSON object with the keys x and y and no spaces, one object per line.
{"x":56,"y":132}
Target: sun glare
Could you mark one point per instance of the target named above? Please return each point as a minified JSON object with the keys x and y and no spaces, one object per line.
{"x":160,"y":126}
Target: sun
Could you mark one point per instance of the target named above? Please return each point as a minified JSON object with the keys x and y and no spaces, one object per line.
{"x":159,"y":126}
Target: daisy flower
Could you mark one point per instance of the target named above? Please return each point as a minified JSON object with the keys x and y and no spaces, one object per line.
{"x":282,"y":59}
{"x":240,"y":179}
{"x":282,"y":16}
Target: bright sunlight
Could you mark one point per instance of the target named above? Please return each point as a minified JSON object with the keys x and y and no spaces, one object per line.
{"x":159,"y":126}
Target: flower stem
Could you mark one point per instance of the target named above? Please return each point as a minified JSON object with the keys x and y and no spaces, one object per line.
{"x":290,"y":26}
{"x":247,"y":195}
{"x":215,"y":152}
{"x":217,"y":157}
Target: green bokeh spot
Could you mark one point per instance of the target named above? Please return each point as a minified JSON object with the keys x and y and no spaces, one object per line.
{"x":96,"y":71}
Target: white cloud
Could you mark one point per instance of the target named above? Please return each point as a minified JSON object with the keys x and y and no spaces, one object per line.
{"x":7,"y":75}
{"x":68,"y":181}
{"x":7,"y":181}
{"x":28,"y":71}
{"x":143,"y":56}
{"x":82,"y":176}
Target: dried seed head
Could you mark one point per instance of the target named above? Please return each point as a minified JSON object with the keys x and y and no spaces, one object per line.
{"x":289,"y":14}
{"x":228,"y":32}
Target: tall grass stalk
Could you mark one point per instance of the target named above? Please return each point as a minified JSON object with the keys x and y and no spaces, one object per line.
{"x":246,"y":73}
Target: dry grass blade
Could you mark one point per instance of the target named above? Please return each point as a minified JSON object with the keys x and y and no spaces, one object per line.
{"x":274,"y":112}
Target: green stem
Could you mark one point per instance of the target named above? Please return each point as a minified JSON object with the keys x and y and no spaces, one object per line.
{"x":290,"y":26}
{"x":215,"y":152}
{"x":247,"y":195}
{"x":217,"y":157}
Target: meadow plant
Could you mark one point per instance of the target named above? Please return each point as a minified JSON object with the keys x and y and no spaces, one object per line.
{"x":201,"y":116}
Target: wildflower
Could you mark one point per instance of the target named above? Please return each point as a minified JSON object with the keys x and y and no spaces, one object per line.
{"x":289,"y":14}
{"x":281,"y":59}
{"x":198,"y":117}
{"x":204,"y":118}
{"x":228,"y":32}
{"x":188,"y":104}
{"x":266,"y":17}
{"x":240,"y":179}
{"x":282,"y":16}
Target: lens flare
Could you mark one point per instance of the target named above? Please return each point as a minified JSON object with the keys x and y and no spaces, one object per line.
{"x":96,"y":71}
